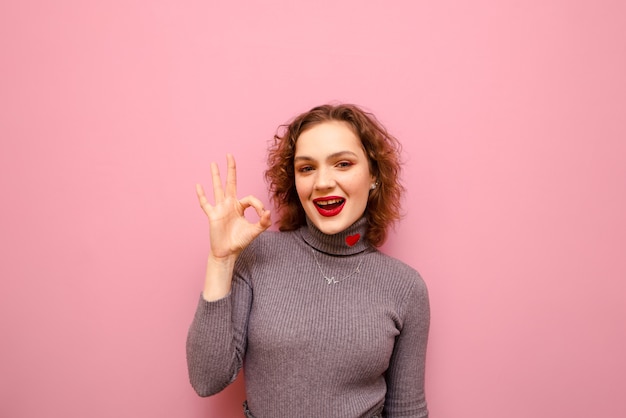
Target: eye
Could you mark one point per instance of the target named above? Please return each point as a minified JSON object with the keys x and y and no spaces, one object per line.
{"x":344,"y":164}
{"x":304,"y":168}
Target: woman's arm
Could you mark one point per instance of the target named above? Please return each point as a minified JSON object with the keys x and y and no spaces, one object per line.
{"x":405,"y":376}
{"x":216,"y":341}
{"x":229,"y":231}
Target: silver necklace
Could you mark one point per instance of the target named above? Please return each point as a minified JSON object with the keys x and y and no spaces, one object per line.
{"x":332,"y":280}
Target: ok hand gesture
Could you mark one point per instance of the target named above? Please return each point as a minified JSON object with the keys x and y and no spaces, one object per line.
{"x":230,"y":232}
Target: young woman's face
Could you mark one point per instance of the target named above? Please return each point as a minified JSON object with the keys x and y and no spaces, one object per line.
{"x":333,"y":176}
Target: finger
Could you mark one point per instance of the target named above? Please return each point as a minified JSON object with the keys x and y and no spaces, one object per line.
{"x":248,"y":201}
{"x":231,"y":176}
{"x":264,"y":215}
{"x":218,"y":192}
{"x":266,"y":220}
{"x":204,"y":203}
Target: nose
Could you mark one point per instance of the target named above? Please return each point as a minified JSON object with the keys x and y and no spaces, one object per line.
{"x":324,"y":179}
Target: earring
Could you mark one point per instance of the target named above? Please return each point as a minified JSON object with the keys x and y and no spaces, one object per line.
{"x":373,"y":186}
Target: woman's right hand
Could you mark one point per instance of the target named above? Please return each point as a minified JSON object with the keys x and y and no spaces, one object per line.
{"x":230,"y":232}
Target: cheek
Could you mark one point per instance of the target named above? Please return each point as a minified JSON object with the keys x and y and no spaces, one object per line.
{"x":360,"y":187}
{"x":301,"y":187}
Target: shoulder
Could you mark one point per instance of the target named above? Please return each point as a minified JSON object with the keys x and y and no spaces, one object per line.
{"x":396,"y":268}
{"x":272,"y":240}
{"x":267,"y":244}
{"x":400,"y":279}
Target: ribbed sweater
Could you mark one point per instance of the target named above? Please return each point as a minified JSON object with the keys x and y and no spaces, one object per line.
{"x":310,"y":348}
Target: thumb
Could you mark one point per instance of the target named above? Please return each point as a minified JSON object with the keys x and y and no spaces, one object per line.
{"x":265,"y":220}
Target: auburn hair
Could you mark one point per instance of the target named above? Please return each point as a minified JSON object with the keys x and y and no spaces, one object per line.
{"x":381,"y":148}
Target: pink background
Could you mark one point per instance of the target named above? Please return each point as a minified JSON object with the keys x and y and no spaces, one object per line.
{"x":512,"y":115}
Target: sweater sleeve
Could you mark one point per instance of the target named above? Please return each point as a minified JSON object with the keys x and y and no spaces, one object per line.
{"x":216,"y":340}
{"x":405,"y":376}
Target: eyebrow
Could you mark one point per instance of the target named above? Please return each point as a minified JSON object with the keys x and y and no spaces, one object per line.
{"x":330,"y":157}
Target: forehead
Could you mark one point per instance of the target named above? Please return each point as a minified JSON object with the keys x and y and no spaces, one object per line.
{"x":329,"y":137}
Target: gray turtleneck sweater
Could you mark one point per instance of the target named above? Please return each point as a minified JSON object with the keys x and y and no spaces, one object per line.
{"x":310,"y":348}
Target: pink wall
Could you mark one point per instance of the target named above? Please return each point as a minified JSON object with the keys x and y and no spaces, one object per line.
{"x":512,"y":115}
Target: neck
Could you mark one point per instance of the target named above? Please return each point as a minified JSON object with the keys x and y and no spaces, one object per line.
{"x":347,"y":242}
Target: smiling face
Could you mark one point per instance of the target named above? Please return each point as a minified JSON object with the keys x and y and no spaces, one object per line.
{"x":332,"y":176}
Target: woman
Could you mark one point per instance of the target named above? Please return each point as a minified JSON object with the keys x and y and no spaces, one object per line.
{"x":326,"y":325}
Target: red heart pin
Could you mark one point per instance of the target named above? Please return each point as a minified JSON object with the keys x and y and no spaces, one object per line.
{"x":353,"y":239}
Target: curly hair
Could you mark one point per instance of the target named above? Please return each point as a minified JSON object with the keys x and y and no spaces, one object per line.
{"x":381,"y":148}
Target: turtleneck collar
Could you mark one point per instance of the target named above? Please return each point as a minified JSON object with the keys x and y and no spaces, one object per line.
{"x":347,"y":242}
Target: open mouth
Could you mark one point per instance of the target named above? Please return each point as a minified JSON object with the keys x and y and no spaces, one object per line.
{"x":329,"y":207}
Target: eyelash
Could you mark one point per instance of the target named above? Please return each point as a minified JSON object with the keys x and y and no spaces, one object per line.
{"x":340,"y":165}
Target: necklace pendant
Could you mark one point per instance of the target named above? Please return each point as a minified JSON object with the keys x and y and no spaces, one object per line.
{"x":332,"y":280}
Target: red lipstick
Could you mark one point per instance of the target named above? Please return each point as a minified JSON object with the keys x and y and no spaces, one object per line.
{"x":329,"y":205}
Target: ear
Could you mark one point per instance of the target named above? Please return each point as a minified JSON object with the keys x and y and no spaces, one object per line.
{"x":374,"y":183}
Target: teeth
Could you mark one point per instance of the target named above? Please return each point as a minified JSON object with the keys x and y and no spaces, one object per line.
{"x":329,"y":202}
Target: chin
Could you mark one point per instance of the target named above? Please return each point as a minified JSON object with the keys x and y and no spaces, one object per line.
{"x":331,"y":227}
{"x":330,"y":231}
